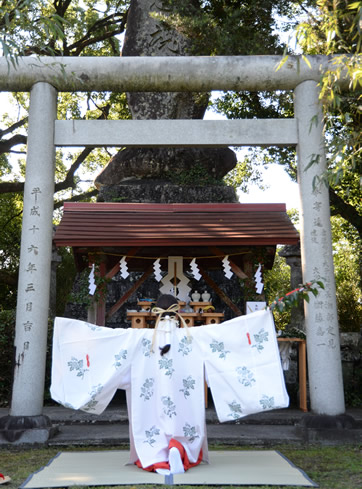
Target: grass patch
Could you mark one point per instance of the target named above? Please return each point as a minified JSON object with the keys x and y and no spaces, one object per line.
{"x":330,"y":467}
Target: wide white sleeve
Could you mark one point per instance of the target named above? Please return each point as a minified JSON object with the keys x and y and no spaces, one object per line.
{"x":90,"y":363}
{"x":242,"y":364}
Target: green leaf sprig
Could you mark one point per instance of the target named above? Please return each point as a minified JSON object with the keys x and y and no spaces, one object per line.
{"x":291,"y":299}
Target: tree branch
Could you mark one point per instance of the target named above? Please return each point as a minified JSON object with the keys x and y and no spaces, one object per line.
{"x":61,"y":7}
{"x":341,"y":208}
{"x":11,"y":218}
{"x":11,"y":187}
{"x":7,"y":144}
{"x":107,"y":22}
{"x":7,"y":187}
{"x":94,"y":40}
{"x":76,"y":198}
{"x":12,"y":128}
{"x":103,"y":24}
{"x":306,"y":11}
{"x":315,"y":22}
{"x":114,"y":48}
{"x":69,"y":179}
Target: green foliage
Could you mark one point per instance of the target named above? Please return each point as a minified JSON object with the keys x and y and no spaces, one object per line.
{"x":56,"y":28}
{"x":245,"y":173}
{"x":227,"y":27}
{"x":291,"y":299}
{"x":80,"y":294}
{"x":5,"y":166}
{"x":277,"y":284}
{"x":7,"y":338}
{"x":329,"y":27}
{"x":349,"y":306}
{"x":66,"y":274}
{"x":62,"y":27}
{"x":346,"y":257}
{"x":333,"y":28}
{"x":252,"y":105}
{"x":10,"y":232}
{"x":7,"y":335}
{"x":23,"y":23}
{"x":196,"y":175}
{"x":262,"y":105}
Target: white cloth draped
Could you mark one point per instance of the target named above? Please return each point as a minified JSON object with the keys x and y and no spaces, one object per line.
{"x":165,"y":394}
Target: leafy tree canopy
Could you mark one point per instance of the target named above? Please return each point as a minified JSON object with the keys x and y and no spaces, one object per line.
{"x":61,"y":27}
{"x":228,"y":27}
{"x":214,"y":27}
{"x":56,"y":28}
{"x":330,"y":27}
{"x":333,"y":28}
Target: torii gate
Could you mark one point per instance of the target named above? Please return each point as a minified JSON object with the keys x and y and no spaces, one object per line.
{"x":44,"y":76}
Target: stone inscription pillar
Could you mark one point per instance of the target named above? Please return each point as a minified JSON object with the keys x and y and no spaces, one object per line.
{"x":323,"y":347}
{"x":34,"y":272}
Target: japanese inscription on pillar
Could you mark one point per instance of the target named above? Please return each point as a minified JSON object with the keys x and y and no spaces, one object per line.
{"x":32,"y":261}
{"x":324,"y":315}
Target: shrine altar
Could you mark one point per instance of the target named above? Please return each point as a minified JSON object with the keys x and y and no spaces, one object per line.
{"x":145,"y":319}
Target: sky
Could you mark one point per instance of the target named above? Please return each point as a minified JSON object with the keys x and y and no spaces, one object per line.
{"x":280,"y":188}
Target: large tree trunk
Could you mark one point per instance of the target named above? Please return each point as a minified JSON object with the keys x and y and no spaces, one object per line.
{"x":133,"y":172}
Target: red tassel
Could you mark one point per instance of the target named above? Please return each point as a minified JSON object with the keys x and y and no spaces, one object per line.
{"x":249,"y":340}
{"x":87,"y":357}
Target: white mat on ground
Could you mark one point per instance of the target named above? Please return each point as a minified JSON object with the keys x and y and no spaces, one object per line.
{"x":103,"y":468}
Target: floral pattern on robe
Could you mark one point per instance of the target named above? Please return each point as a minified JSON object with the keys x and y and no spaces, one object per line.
{"x":240,"y":359}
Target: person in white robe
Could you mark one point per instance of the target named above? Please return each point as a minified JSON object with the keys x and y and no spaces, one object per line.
{"x":165,"y":386}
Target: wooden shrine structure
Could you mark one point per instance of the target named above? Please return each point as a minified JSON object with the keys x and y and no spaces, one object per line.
{"x":106,"y":232}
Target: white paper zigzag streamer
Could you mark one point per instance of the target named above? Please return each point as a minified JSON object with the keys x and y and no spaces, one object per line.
{"x":227,"y":269}
{"x":91,"y":282}
{"x":123,"y":267}
{"x":195,"y":269}
{"x":181,"y":290}
{"x":258,"y":280}
{"x":157,"y":270}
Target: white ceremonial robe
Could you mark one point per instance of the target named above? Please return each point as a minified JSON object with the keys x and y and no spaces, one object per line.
{"x":165,"y":394}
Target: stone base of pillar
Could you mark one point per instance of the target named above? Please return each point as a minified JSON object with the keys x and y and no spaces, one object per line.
{"x":325,"y":422}
{"x":26,"y":429}
{"x":328,"y":430}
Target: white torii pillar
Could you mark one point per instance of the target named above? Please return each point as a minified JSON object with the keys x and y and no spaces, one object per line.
{"x":26,"y":420}
{"x":323,"y":346}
